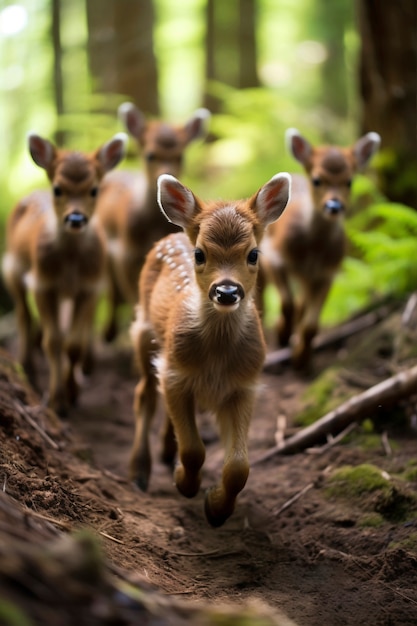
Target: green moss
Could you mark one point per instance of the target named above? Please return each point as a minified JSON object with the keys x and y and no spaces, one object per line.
{"x":366,"y":485}
{"x":409,"y":543}
{"x":354,"y":481}
{"x":371,"y":520}
{"x":395,"y":503}
{"x":12,"y":615}
{"x":411,"y":475}
{"x":322,"y":396}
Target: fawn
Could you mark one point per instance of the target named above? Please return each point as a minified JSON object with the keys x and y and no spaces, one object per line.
{"x":308,"y":244}
{"x":128,"y":207}
{"x":56,"y":247}
{"x":197,"y":332}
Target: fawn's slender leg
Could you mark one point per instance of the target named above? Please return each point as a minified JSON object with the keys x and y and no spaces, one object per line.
{"x":191,"y":451}
{"x":144,"y":406}
{"x":314,"y":296}
{"x":47,"y":301}
{"x":79,"y":341}
{"x":233,"y":419}
{"x":286,"y":320}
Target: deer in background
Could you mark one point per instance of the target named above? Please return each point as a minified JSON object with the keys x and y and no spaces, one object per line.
{"x":56,"y":247}
{"x":307,"y":245}
{"x":128,"y":207}
{"x":198,"y":335}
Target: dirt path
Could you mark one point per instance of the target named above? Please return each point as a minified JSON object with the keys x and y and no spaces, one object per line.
{"x":317,"y":560}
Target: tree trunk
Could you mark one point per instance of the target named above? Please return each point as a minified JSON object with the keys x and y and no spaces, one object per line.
{"x":120,"y":49}
{"x":230,"y":46}
{"x":388,"y":87}
{"x":137,"y":76}
{"x":57,"y":65}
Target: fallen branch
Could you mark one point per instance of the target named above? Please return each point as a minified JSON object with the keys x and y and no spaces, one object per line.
{"x":330,"y":337}
{"x":355,"y":409}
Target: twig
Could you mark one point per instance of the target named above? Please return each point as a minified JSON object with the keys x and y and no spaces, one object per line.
{"x":330,"y":337}
{"x":36,"y":426}
{"x":332,"y":441}
{"x":101,"y":532}
{"x":291,"y":501}
{"x":386,"y":443}
{"x":301,"y":493}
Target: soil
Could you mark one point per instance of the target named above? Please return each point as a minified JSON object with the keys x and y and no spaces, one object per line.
{"x":322,"y":558}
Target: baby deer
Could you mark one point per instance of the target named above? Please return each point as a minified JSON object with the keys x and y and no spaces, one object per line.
{"x":128,"y":207}
{"x":198,"y":333}
{"x":308,"y":244}
{"x":55,"y":247}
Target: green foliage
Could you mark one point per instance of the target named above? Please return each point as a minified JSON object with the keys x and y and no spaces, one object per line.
{"x":382,"y":260}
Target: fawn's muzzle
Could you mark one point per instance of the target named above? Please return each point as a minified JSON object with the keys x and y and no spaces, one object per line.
{"x":333,"y":206}
{"x":226,"y":294}
{"x":75,"y":220}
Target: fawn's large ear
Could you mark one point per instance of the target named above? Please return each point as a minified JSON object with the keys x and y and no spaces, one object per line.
{"x":112,"y":152}
{"x":271,"y":200}
{"x":134,"y":121}
{"x":197,"y":125}
{"x":298,"y":146}
{"x":42,"y":151}
{"x":365,"y":148}
{"x":178,"y":203}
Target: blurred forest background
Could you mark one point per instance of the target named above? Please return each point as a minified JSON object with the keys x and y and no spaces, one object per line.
{"x":332,"y":69}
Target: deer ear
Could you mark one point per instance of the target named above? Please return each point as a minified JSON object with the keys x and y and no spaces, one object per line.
{"x":197,"y":126}
{"x":298,"y":146}
{"x":271,"y":200}
{"x":177,"y":202}
{"x":112,"y":152}
{"x":42,"y":151}
{"x":365,"y":148}
{"x":133,"y":119}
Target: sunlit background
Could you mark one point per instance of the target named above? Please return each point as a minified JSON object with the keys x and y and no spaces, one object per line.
{"x":307,"y":64}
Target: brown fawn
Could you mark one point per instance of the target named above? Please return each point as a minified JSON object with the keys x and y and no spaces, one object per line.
{"x":198,"y":335}
{"x":56,"y":248}
{"x":128,"y":207}
{"x":307,"y":245}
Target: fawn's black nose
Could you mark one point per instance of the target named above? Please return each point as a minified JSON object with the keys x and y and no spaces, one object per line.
{"x":75,"y":220}
{"x":226,"y":293}
{"x":333,"y":206}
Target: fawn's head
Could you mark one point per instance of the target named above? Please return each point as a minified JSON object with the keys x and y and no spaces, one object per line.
{"x":331,"y":169}
{"x":225,"y":236}
{"x":75,"y":176}
{"x":162,"y":144}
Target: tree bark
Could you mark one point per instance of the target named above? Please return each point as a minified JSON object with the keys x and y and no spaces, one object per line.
{"x":388,"y":88}
{"x":58,"y":82}
{"x":231,"y":53}
{"x":120,"y":50}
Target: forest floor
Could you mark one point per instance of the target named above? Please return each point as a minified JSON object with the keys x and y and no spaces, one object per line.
{"x":80,"y":544}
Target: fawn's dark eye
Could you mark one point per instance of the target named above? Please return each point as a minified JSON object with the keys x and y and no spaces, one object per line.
{"x":199,"y":256}
{"x":94,"y":192}
{"x":150,"y":157}
{"x":349,"y":183}
{"x":57,"y":191}
{"x":253,"y":256}
{"x":316,"y":182}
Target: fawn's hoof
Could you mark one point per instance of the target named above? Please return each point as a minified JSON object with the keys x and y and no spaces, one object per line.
{"x":216,"y":518}
{"x":142,"y":482}
{"x":186,"y":485}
